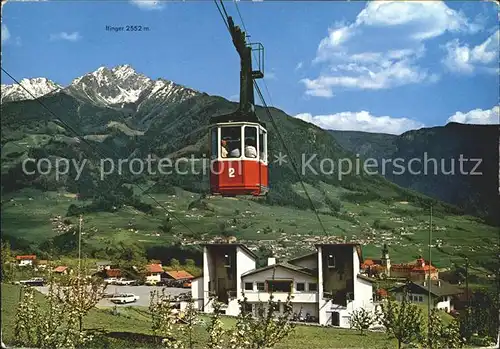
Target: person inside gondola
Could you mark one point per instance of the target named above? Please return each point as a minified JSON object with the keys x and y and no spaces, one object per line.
{"x":235,"y":153}
{"x":250,"y":149}
{"x":223,"y":149}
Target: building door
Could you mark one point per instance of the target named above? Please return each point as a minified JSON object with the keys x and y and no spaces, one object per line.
{"x":336,"y":318}
{"x":221,"y":290}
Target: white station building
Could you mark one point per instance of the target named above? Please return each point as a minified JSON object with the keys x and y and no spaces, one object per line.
{"x":326,"y":284}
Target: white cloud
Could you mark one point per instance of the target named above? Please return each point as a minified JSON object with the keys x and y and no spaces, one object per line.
{"x":270,"y":76}
{"x":382,"y":47}
{"x":298,"y":66}
{"x":361,"y":121}
{"x":5,"y":33}
{"x":148,"y":4}
{"x":75,"y":36}
{"x":477,"y":117}
{"x":463,"y":59}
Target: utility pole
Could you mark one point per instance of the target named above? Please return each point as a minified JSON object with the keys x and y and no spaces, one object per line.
{"x":467,"y":293}
{"x":429,"y":330}
{"x":80,"y":244}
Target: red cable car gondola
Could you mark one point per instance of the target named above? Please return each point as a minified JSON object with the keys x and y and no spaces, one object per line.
{"x":238,"y":141}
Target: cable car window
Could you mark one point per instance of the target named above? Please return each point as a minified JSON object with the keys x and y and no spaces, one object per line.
{"x":214,"y":146}
{"x":231,"y":141}
{"x":251,"y":142}
{"x":263,"y":145}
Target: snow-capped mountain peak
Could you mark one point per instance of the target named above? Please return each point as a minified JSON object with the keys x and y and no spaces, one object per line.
{"x":117,"y":87}
{"x":110,"y":87}
{"x":122,"y":72}
{"x":37,"y":87}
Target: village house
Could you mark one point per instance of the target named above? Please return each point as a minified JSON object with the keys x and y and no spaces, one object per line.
{"x":63,"y":270}
{"x":443,"y":294}
{"x":419,"y":270}
{"x":25,"y":260}
{"x":41,"y":264}
{"x":178,"y":275}
{"x":325,"y":284}
{"x":113,"y":273}
{"x":153,"y":273}
{"x":103,"y":265}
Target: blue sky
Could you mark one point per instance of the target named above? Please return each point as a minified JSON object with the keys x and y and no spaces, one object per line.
{"x":379,"y":67}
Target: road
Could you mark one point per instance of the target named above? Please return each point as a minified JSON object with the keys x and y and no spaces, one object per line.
{"x":144,"y":293}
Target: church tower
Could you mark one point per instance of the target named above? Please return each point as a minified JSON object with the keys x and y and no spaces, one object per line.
{"x":386,"y":260}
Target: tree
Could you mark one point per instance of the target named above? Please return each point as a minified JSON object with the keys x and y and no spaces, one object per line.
{"x":266,"y":329}
{"x":404,"y":321}
{"x":361,"y":320}
{"x":190,"y":320}
{"x":81,"y":294}
{"x":7,"y":262}
{"x":451,"y":335}
{"x":52,"y":326}
{"x":263,"y":253}
{"x":190,"y":263}
{"x":216,"y":332}
{"x":434,"y":337}
{"x":166,"y":225}
{"x":174,"y":263}
{"x":164,"y":322}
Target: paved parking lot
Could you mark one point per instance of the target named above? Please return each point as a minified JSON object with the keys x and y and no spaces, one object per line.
{"x":144,"y":293}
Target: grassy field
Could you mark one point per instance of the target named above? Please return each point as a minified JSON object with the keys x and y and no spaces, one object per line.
{"x":134,"y":322}
{"x":401,"y":225}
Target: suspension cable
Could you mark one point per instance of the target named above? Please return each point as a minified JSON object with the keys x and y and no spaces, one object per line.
{"x":294,"y":166}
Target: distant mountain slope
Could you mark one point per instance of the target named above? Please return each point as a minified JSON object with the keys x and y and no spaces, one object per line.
{"x":366,"y":144}
{"x":476,"y":194}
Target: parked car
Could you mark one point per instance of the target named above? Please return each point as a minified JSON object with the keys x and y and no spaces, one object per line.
{"x":111,"y":281}
{"x":123,"y":281}
{"x":33,"y":282}
{"x":124,"y":298}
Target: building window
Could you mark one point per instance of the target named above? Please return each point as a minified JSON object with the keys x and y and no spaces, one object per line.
{"x":251,"y":148}
{"x":420,"y":298}
{"x":301,"y":286}
{"x":227,"y":261}
{"x":214,"y":146}
{"x":260,"y":286}
{"x":249,"y":286}
{"x":331,"y":261}
{"x":279,"y":285}
{"x":263,"y":145}
{"x":231,"y":141}
{"x":313,"y":287}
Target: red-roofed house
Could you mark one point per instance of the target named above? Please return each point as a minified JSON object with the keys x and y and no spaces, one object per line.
{"x":153,"y":273}
{"x":178,"y":275}
{"x":113,"y":273}
{"x":61,"y":269}
{"x":25,"y":260}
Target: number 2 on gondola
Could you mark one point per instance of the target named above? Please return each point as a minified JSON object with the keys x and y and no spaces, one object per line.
{"x":231,"y":172}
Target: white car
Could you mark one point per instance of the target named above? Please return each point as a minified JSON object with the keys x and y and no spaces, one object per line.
{"x":124,"y":298}
{"x":111,"y":281}
{"x":123,"y":281}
